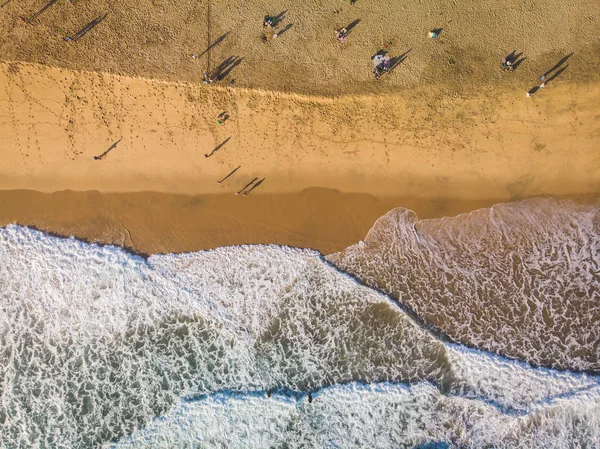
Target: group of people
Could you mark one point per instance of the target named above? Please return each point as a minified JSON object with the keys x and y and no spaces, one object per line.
{"x":507,"y":64}
{"x":382,"y":63}
{"x":268,"y":22}
{"x":271,"y":22}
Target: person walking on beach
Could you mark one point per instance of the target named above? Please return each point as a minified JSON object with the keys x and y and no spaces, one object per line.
{"x":535,"y":89}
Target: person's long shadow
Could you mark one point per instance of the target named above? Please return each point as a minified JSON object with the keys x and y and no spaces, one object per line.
{"x":518,"y":63}
{"x":112,"y":147}
{"x":557,"y":65}
{"x":247,"y":192}
{"x":285,"y":29}
{"x":226,"y":67}
{"x":90,"y":26}
{"x":513,"y":56}
{"x":278,"y":18}
{"x":231,"y":173}
{"x":41,"y":11}
{"x":558,"y":72}
{"x":394,"y":62}
{"x":352,"y":25}
{"x":217,"y":71}
{"x":552,"y":78}
{"x":218,"y":147}
{"x":214,"y":44}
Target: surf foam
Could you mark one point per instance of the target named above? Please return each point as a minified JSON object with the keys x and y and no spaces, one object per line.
{"x":95,"y":343}
{"x":519,"y":279}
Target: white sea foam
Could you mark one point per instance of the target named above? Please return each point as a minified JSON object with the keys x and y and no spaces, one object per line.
{"x":519,"y":279}
{"x":510,"y":385}
{"x":95,"y":342}
{"x":374,"y":416}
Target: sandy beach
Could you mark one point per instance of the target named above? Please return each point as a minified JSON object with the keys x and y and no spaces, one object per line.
{"x":445,"y":132}
{"x":135,"y":134}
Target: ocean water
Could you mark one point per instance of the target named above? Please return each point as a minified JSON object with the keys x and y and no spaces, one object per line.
{"x":252,"y":346}
{"x":374,"y":416}
{"x":519,"y":279}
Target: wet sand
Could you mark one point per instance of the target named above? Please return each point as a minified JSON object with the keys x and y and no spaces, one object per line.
{"x":418,"y":143}
{"x":149,"y":223}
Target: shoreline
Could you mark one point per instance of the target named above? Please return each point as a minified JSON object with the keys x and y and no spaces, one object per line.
{"x":331,"y":166}
{"x":437,"y":224}
{"x":156,"y":223}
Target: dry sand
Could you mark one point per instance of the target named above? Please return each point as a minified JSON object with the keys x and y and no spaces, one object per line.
{"x":446,"y":131}
{"x":156,"y":38}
